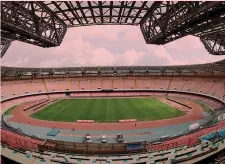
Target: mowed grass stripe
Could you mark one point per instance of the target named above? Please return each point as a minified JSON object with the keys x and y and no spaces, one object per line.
{"x":83,"y":107}
{"x":107,"y":110}
{"x":134,"y":107}
{"x":67,"y":109}
{"x":111,"y":113}
{"x":48,"y":112}
{"x":157,"y":113}
{"x":96,"y":112}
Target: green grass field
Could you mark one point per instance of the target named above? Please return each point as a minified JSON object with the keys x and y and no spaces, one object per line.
{"x":107,"y":110}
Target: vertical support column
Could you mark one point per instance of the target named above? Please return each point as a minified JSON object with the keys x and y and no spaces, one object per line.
{"x":143,"y":83}
{"x":102,"y":83}
{"x":46,"y":89}
{"x":135,"y":83}
{"x":90,"y":84}
{"x":123,"y":83}
{"x":170,"y":83}
{"x":155,"y":81}
{"x":78,"y":84}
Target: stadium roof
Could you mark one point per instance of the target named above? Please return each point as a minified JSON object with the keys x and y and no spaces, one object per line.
{"x":44,"y":23}
{"x":211,"y":69}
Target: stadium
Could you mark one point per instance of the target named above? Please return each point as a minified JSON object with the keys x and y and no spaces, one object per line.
{"x":113,"y":114}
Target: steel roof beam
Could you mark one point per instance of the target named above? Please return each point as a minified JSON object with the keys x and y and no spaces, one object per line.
{"x":69,"y":4}
{"x":20,"y":21}
{"x":204,"y":7}
{"x":81,"y":10}
{"x":214,"y":43}
{"x":166,"y":21}
{"x":120,"y":11}
{"x":5,"y":44}
{"x":111,"y":7}
{"x":130,"y":10}
{"x":57,"y":6}
{"x":92,"y":12}
{"x":51,"y":12}
{"x":100,"y":10}
{"x":139,"y":11}
{"x":45,"y":23}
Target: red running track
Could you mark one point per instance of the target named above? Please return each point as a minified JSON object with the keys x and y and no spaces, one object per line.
{"x":193,"y":114}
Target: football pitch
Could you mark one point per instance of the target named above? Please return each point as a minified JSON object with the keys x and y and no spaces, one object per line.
{"x":107,"y":110}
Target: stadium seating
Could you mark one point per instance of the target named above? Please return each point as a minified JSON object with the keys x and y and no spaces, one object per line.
{"x":96,"y":84}
{"x":161,"y":83}
{"x":18,"y":141}
{"x":117,"y":84}
{"x":177,"y":84}
{"x":107,"y":84}
{"x":206,"y":86}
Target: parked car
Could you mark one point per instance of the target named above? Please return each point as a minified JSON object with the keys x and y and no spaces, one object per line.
{"x":88,"y":138}
{"x":104,"y":138}
{"x":120,"y":138}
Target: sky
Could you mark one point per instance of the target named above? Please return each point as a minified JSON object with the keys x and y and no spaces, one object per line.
{"x":108,"y":45}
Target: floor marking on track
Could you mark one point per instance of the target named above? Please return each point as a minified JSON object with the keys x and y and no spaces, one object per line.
{"x":108,"y":135}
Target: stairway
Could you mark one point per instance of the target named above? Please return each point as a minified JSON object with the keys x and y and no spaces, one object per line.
{"x":46,"y":89}
{"x":170,"y":83}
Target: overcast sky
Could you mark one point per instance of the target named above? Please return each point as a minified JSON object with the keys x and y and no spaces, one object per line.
{"x":107,"y":46}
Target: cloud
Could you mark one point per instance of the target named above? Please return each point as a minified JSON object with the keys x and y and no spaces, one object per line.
{"x":92,"y":32}
{"x":107,"y":46}
{"x":186,"y":43}
{"x":160,"y":52}
{"x":131,"y":57}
